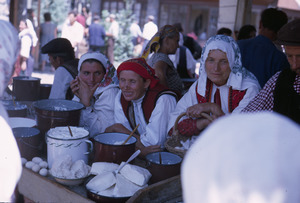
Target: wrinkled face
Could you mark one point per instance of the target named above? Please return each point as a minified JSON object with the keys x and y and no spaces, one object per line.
{"x":217,"y":67}
{"x":293,"y":55}
{"x":172,"y":44}
{"x":133,"y":86}
{"x":22,"y":25}
{"x":91,"y":72}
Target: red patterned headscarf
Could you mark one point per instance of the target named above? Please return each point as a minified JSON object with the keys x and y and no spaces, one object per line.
{"x":139,"y":66}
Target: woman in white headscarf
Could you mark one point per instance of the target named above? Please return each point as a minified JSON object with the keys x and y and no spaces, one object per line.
{"x":10,"y":160}
{"x":223,"y":87}
{"x":96,"y":87}
{"x":251,"y":158}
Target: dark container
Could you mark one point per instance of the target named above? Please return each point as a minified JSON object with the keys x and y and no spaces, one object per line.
{"x":104,"y":199}
{"x":109,"y":148}
{"x":15,"y":109}
{"x":167,"y":168}
{"x":45,"y":90}
{"x":26,"y":88}
{"x":51,"y":113}
{"x":29,"y":140}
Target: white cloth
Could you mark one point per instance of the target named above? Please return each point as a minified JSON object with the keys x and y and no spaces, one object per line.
{"x":10,"y":162}
{"x":155,"y":132}
{"x":26,"y":43}
{"x":251,"y":158}
{"x":100,"y":115}
{"x":32,"y":32}
{"x":61,"y":83}
{"x":149,"y":30}
{"x":135,"y":30}
{"x":114,"y":29}
{"x":74,"y":33}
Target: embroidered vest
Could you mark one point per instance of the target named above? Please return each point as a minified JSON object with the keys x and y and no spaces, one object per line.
{"x":148,"y":103}
{"x":234,"y":97}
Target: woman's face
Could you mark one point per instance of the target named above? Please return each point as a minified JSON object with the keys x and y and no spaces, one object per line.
{"x":293,"y":55}
{"x":217,"y":67}
{"x":132,"y":85}
{"x":22,"y":25}
{"x":91,"y":73}
{"x":172,"y":44}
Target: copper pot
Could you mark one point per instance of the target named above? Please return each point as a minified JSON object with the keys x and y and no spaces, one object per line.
{"x":45,"y":90}
{"x":109,"y":148}
{"x":163,"y":168}
{"x":104,"y":199}
{"x":26,"y":88}
{"x":15,"y":109}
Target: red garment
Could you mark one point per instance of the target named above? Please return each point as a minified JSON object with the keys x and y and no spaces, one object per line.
{"x":217,"y":97}
{"x":81,"y":19}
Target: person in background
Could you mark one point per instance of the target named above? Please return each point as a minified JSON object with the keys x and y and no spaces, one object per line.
{"x":96,"y":87}
{"x":282,"y":91}
{"x":224,"y":31}
{"x":112,"y":34}
{"x":96,"y":36}
{"x":137,"y":37}
{"x":244,"y":158}
{"x":62,"y":58}
{"x":73,"y":31}
{"x":246,"y":32}
{"x":183,"y":60}
{"x":189,"y":42}
{"x":142,"y":101}
{"x":149,"y":30}
{"x":10,"y":159}
{"x":26,"y":60}
{"x":48,"y":31}
{"x":163,"y":43}
{"x":223,"y":87}
{"x":259,"y":55}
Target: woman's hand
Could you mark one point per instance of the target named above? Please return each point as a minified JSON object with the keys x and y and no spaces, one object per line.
{"x":211,"y":109}
{"x":146,"y":150}
{"x":74,"y":85}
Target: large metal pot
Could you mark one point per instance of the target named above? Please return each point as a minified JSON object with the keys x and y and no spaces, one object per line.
{"x":15,"y":109}
{"x":29,"y":141}
{"x":51,"y":113}
{"x":109,"y":148}
{"x":45,"y":90}
{"x":163,"y":168}
{"x":104,"y":199}
{"x":60,"y":143}
{"x":26,"y":88}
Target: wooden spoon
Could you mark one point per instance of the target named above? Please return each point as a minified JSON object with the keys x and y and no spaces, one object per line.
{"x":70,"y":131}
{"x":131,"y":134}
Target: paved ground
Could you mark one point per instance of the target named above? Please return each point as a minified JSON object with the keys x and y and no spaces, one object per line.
{"x":46,"y":76}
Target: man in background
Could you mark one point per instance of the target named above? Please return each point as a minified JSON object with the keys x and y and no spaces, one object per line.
{"x":96,"y":36}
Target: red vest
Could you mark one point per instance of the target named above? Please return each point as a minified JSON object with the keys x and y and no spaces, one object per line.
{"x":234,"y":98}
{"x":149,"y":101}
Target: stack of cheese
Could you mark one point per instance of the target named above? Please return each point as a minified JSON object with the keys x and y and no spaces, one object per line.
{"x":130,"y":179}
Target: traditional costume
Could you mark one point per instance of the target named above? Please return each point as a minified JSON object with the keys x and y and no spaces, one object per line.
{"x":151,"y":111}
{"x":240,"y":89}
{"x":100,"y":114}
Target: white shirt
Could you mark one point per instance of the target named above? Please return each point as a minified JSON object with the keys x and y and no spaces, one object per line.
{"x":74,"y":33}
{"x":26,"y":43}
{"x":150,"y":29}
{"x":190,"y":99}
{"x":61,"y":83}
{"x":114,"y":29}
{"x":10,"y":162}
{"x":155,"y":132}
{"x":135,"y":30}
{"x":100,"y":115}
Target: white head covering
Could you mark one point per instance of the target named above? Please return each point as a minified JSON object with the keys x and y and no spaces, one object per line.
{"x":110,"y":76}
{"x":237,"y":75}
{"x":251,"y":158}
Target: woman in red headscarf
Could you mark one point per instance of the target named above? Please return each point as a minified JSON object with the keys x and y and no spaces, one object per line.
{"x":142,"y":100}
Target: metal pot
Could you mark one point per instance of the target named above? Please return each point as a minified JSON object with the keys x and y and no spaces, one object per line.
{"x":29,"y":141}
{"x":26,"y":88}
{"x":167,"y":168}
{"x":109,"y":148}
{"x":59,"y":142}
{"x":15,"y":109}
{"x":51,"y":113}
{"x":45,"y":90}
{"x":104,"y":199}
{"x":16,"y":122}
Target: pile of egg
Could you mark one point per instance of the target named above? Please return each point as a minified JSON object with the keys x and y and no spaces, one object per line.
{"x":36,"y":165}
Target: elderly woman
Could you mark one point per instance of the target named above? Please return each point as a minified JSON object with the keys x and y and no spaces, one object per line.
{"x":223,"y":87}
{"x":96,"y":87}
{"x":163,"y":43}
{"x":142,"y":101}
{"x":10,"y":160}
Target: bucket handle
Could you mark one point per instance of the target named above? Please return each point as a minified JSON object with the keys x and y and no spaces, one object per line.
{"x":90,"y":148}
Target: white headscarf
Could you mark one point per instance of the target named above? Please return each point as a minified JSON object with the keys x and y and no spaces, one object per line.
{"x":251,"y":158}
{"x":239,"y":78}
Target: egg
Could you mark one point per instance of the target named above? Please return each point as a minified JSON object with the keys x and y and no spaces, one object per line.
{"x":23,"y":161}
{"x":29,"y":164}
{"x":43,"y":164}
{"x":37,"y":160}
{"x":43,"y":172}
{"x":36,"y":168}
